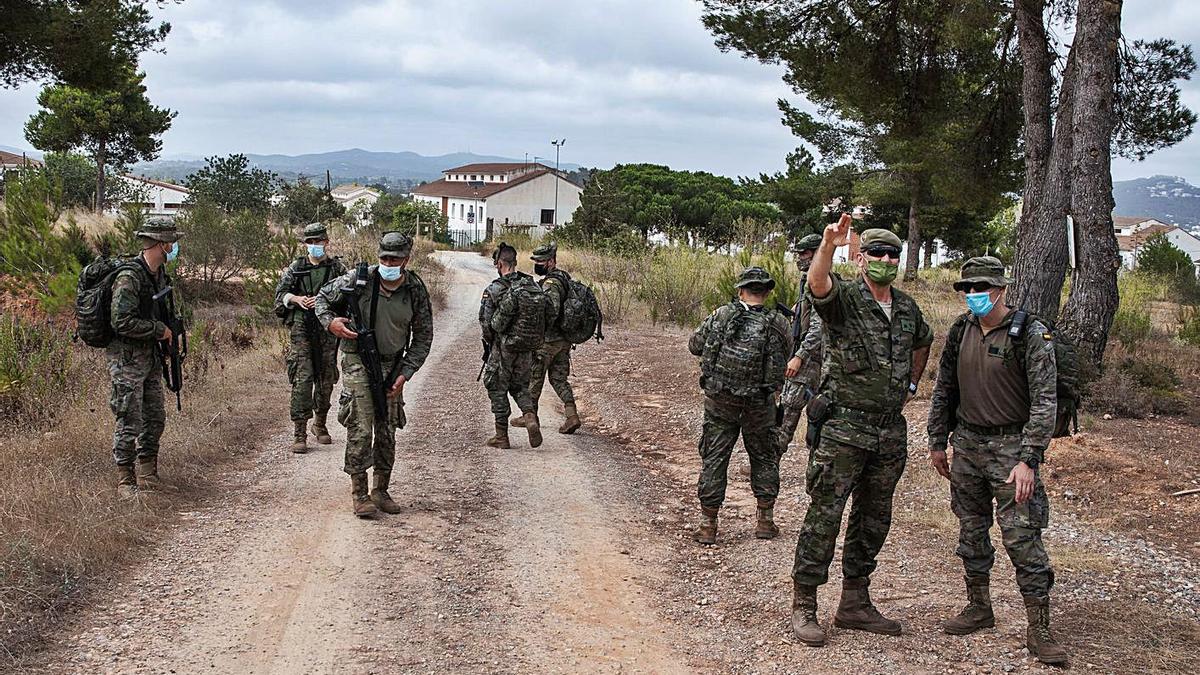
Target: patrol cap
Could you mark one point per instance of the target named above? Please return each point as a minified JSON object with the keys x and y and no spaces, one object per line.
{"x":505,"y":252}
{"x":314,"y":231}
{"x":984,"y":269}
{"x":754,"y":275}
{"x":159,"y":229}
{"x":809,"y":242}
{"x":878,"y":236}
{"x":395,"y":245}
{"x":544,"y":252}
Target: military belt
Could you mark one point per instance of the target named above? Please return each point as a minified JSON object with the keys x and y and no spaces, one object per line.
{"x":875,"y":419}
{"x":1003,"y":430}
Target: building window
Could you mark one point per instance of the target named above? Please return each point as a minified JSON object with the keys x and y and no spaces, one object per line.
{"x":547,"y":216}
{"x":472,"y":176}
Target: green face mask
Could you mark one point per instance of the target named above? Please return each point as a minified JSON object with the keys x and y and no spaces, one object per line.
{"x":882,"y":272}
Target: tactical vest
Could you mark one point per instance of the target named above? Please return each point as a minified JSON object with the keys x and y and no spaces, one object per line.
{"x":736,"y":357}
{"x":532,"y":314}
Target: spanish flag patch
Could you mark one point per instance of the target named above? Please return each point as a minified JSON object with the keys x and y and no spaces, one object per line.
{"x":1047,"y":336}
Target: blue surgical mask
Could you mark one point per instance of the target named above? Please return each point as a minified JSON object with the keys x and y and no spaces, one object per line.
{"x":388,"y":273}
{"x":317,"y":251}
{"x":980,"y":304}
{"x":173,"y":253}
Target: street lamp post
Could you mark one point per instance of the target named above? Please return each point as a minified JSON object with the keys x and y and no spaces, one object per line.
{"x":557,"y":147}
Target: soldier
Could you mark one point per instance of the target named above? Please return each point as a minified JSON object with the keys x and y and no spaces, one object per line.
{"x":997,"y":392}
{"x":133,"y":359}
{"x":395,"y":304}
{"x":743,"y":349}
{"x":509,"y":361}
{"x":553,"y":359}
{"x":804,"y":369}
{"x":312,"y":358}
{"x":877,"y":344}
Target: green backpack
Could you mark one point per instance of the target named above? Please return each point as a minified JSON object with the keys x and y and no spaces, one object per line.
{"x":93,"y":300}
{"x":736,"y":357}
{"x":533,"y":309}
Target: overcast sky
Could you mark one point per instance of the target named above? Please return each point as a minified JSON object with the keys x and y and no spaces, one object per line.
{"x":621,"y":80}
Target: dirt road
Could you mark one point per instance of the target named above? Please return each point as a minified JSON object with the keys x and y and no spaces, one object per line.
{"x":574,"y":557}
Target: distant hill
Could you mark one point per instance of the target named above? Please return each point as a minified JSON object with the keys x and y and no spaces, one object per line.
{"x":1170,"y":199}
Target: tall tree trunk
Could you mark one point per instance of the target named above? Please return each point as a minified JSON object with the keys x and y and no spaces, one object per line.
{"x":1093,"y":300}
{"x":101,"y":159}
{"x":927,"y":253}
{"x":914,"y":232}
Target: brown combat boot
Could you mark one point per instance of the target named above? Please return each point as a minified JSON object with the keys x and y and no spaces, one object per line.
{"x":978,"y":612}
{"x":804,"y":616}
{"x":765,"y":528}
{"x":320,"y":430}
{"x":300,"y":440}
{"x":126,"y":482}
{"x":707,"y":532}
{"x":379,"y":493}
{"x":147,"y":474}
{"x":534,"y":428}
{"x":855,"y":611}
{"x":500,"y":440}
{"x":572,"y":423}
{"x":518,"y":421}
{"x":362,"y":504}
{"x":1038,"y":639}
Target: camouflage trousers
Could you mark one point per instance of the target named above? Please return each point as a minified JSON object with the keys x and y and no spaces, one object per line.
{"x":136,"y":400}
{"x":553,"y":359}
{"x":725,"y":417}
{"x":978,"y":470}
{"x":507,"y":374}
{"x":369,"y":442}
{"x":866,"y":476}
{"x":310,"y":393}
{"x":796,"y":392}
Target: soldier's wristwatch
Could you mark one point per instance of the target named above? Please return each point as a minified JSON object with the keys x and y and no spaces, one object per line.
{"x":912,"y":387}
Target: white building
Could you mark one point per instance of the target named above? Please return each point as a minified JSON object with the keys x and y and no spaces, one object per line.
{"x":1133,"y":231}
{"x":156,"y":197}
{"x":358,"y":200}
{"x":482,"y":197}
{"x":13,"y":162}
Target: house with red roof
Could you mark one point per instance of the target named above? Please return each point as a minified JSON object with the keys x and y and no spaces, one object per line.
{"x":1133,"y":231}
{"x":156,"y":198}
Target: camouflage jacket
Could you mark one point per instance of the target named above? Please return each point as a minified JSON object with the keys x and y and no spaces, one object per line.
{"x":806,"y":335}
{"x":132,"y":309}
{"x":868,"y":357}
{"x":491,"y":322}
{"x":403,"y":324}
{"x":319,"y":275}
{"x":1040,"y":371}
{"x":778,"y":350}
{"x":555,"y":285}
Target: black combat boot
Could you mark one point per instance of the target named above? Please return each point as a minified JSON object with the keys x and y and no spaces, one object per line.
{"x":978,"y":612}
{"x":856,"y":611}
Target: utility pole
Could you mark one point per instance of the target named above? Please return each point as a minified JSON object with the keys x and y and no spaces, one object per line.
{"x":557,"y":147}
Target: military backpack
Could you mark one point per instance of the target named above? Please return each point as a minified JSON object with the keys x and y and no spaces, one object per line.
{"x":1066,"y":358}
{"x":736,"y":356}
{"x":532,"y":315}
{"x":581,"y":318}
{"x":93,"y":300}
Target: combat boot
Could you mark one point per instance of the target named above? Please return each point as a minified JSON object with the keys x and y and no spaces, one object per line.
{"x":379,"y":492}
{"x":534,"y":428}
{"x":804,"y":616}
{"x":300,"y":440}
{"x":1038,"y":639}
{"x":518,"y":421}
{"x":126,"y":482}
{"x":855,"y":611}
{"x":765,"y":528}
{"x":500,"y":440}
{"x":363,"y":506}
{"x":147,"y":474}
{"x":978,"y":612}
{"x":320,"y":430}
{"x":707,"y":532}
{"x":572,"y":423}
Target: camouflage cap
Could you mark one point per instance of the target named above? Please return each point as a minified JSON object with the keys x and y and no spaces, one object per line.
{"x":314,"y":231}
{"x":544,"y":252}
{"x":878,"y":236}
{"x":755,"y":275}
{"x":809,"y":242}
{"x":395,"y":245}
{"x":159,"y":229}
{"x":983,"y":269}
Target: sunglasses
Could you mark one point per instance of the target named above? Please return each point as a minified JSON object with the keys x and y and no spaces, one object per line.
{"x":978,"y":287}
{"x":883,"y":251}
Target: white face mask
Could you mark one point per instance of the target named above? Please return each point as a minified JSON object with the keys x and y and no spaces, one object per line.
{"x":389,"y":273}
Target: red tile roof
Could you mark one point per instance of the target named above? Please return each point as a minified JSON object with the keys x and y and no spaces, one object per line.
{"x":465,"y":190}
{"x":1134,"y":241}
{"x":12,"y":158}
{"x":496,"y":167}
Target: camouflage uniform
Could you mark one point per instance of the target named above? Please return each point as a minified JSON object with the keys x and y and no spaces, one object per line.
{"x":308,"y":394}
{"x":806,"y":336}
{"x":745,"y":408}
{"x":134,"y":364}
{"x":507,"y":372}
{"x":863,"y":444}
{"x":554,"y":358}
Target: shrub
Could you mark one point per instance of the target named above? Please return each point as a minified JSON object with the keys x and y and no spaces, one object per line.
{"x":681,"y":285}
{"x":1131,"y":325}
{"x":1136,"y":388}
{"x":1189,"y":326}
{"x":36,"y":363}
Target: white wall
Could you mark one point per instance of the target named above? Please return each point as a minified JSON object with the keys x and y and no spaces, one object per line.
{"x":523,"y":203}
{"x":156,"y":199}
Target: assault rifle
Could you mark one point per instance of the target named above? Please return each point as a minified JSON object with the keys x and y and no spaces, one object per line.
{"x":487,"y":353}
{"x":173,"y":351}
{"x":312,"y":328}
{"x":368,"y":347}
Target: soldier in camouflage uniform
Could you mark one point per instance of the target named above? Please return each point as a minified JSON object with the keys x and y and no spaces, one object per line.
{"x":743,"y":349}
{"x":133,"y":359}
{"x":804,"y":369}
{"x":998,"y":396}
{"x":876,"y":347}
{"x":554,"y":358}
{"x":295,"y":297}
{"x":507,"y":370}
{"x":396,"y":305}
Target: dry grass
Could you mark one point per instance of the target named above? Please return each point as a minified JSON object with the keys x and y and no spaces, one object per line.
{"x":61,"y":523}
{"x":1080,"y":560}
{"x":1134,"y":636}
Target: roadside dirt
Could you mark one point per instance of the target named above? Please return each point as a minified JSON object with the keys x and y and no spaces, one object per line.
{"x":577,"y":556}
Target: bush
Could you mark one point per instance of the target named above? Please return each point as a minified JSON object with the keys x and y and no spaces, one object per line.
{"x":682,"y":285}
{"x":1159,"y":257}
{"x":1136,"y":388}
{"x":1131,"y":325}
{"x":1189,"y":326}
{"x":35,"y":371}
